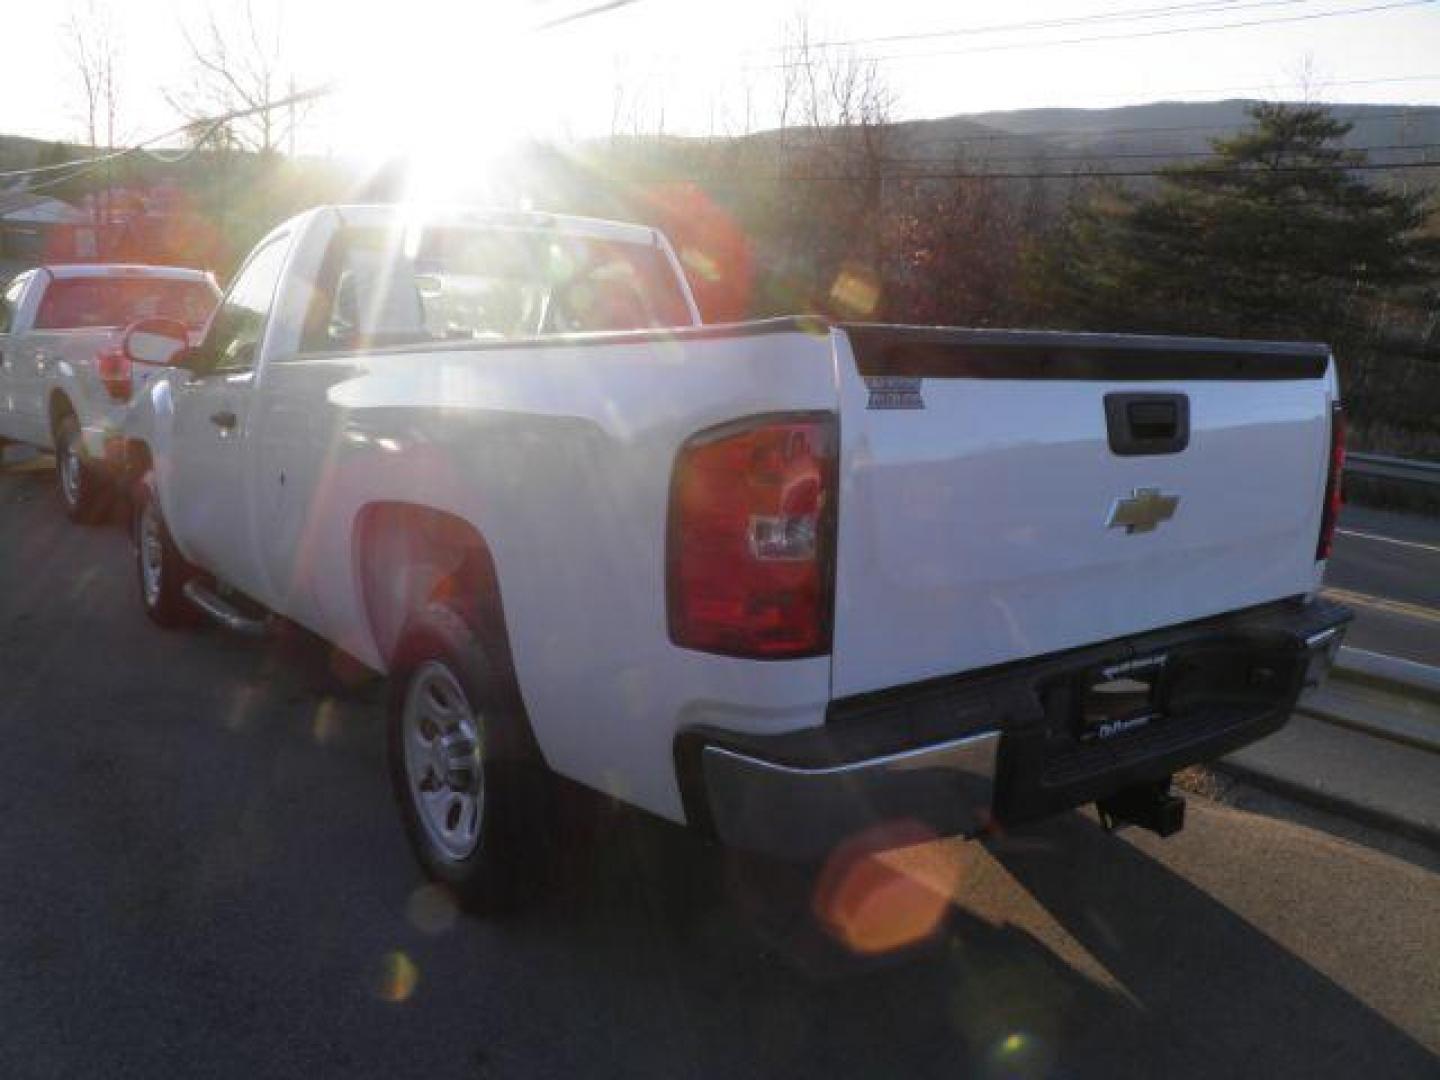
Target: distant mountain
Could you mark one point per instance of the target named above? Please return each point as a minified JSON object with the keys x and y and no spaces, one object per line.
{"x":1142,"y":135}
{"x":18,"y":152}
{"x":1129,"y":138}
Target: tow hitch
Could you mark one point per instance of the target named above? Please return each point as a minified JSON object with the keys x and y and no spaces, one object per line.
{"x":1150,"y":806}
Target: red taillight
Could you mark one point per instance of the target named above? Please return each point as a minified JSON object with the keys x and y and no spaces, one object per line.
{"x":113,"y":367}
{"x":1330,"y":514}
{"x":752,"y":536}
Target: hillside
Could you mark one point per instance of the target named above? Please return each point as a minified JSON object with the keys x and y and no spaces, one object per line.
{"x":1143,"y":134}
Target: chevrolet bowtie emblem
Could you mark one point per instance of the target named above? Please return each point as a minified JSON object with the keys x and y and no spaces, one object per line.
{"x":1142,"y":510}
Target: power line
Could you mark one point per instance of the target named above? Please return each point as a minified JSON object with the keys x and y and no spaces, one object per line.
{"x":86,"y":165}
{"x":1169,"y":11}
{"x":1127,"y":36}
{"x":586,"y":13}
{"x":209,"y":124}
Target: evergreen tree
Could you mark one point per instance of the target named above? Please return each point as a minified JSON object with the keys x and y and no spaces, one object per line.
{"x":1277,"y":236}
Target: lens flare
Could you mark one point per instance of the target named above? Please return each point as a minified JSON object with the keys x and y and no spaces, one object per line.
{"x":856,"y":292}
{"x":431,"y":910}
{"x":397,"y":978}
{"x":874,"y":907}
{"x":327,"y":722}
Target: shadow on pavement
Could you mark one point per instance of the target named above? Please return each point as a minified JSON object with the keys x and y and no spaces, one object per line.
{"x":1197,"y":990}
{"x":208,"y":878}
{"x":1215,"y":995}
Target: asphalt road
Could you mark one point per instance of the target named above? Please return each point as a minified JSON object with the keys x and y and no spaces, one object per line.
{"x":203,"y":876}
{"x":1386,"y":566}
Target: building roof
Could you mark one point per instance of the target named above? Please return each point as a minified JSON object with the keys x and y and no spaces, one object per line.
{"x":22,"y":207}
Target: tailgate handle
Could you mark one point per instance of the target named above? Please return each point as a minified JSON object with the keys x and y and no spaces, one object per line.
{"x":1147,"y":423}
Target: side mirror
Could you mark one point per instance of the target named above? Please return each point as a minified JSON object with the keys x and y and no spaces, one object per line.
{"x":162,"y":342}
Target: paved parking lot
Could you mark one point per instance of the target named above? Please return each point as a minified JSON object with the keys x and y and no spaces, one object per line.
{"x":203,"y":876}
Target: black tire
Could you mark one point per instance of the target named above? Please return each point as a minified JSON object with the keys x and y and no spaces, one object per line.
{"x":84,"y":490}
{"x":165,"y":603}
{"x":512,"y":836}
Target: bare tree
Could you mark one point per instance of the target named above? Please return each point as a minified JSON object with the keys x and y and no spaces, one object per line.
{"x":1311,"y":80}
{"x":94,"y":50}
{"x":832,"y":151}
{"x":824,"y":86}
{"x":237,"y":64}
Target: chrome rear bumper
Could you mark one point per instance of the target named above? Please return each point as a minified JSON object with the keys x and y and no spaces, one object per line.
{"x":1004,"y":745}
{"x":801,"y":812}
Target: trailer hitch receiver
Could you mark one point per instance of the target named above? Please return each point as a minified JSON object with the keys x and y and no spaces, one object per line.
{"x":1150,"y":806}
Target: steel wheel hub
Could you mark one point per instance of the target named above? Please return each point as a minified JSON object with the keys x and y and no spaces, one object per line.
{"x":151,"y":552}
{"x":70,"y":471}
{"x":441,"y":738}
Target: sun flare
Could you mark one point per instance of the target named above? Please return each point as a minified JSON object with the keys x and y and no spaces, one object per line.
{"x":449,"y":104}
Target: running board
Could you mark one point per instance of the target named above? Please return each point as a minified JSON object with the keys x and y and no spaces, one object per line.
{"x":223,"y":612}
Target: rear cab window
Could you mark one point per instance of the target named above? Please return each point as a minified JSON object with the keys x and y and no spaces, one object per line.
{"x":381,"y":287}
{"x":85,"y":303}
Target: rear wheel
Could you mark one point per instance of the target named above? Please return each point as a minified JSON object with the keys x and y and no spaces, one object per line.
{"x":83,"y":489}
{"x":160,"y":568}
{"x":474,"y":811}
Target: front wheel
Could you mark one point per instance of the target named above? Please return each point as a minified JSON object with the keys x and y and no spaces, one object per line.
{"x":161,"y":569}
{"x":474,"y":815}
{"x":83,"y":489}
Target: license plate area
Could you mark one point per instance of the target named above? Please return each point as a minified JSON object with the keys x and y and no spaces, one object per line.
{"x":1116,"y":699}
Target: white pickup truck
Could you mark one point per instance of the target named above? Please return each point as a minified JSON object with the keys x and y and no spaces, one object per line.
{"x":65,"y":381}
{"x":783,"y":581}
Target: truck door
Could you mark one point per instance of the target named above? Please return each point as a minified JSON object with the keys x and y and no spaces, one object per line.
{"x":213,"y":420}
{"x":15,"y":421}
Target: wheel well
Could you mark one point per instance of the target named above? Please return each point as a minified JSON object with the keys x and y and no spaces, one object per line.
{"x":60,"y":407}
{"x":137,"y":460}
{"x":409,"y":556}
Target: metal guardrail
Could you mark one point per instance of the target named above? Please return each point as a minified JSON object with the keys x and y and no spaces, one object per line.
{"x":1403,"y":470}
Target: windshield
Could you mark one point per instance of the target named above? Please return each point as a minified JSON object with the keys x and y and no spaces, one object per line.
{"x":111,"y":302}
{"x":467,"y":283}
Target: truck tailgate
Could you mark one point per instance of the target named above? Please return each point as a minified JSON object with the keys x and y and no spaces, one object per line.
{"x":990,"y":510}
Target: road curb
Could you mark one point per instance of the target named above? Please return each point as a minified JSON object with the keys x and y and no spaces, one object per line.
{"x":1402,"y":698}
{"x":1406,"y":731}
{"x":1388,"y":673}
{"x":1331,"y":803}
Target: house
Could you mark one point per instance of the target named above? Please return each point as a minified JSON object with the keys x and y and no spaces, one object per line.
{"x":37,"y":228}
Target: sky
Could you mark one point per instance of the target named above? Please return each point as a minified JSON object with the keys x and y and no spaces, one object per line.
{"x":407,"y":73}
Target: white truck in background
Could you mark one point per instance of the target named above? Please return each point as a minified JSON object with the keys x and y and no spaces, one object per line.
{"x":65,"y":383}
{"x":782,"y":581}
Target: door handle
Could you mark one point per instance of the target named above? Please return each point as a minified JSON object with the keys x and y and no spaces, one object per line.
{"x":224,"y":419}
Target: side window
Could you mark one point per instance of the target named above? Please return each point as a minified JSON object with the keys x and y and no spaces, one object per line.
{"x":9,"y":301}
{"x":235,"y":331}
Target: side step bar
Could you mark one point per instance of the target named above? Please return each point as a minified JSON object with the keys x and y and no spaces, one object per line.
{"x":222,"y":611}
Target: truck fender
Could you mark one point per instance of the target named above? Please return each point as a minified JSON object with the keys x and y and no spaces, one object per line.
{"x":407,"y":557}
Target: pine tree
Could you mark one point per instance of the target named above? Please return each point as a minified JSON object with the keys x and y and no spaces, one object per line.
{"x":1276,"y":236}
